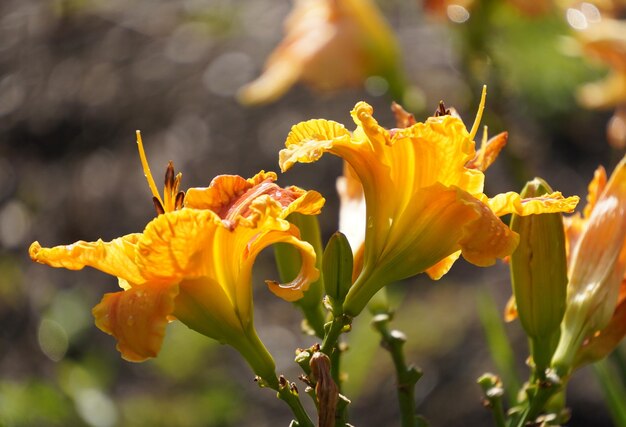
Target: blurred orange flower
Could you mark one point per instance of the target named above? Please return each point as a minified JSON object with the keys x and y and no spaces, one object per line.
{"x":605,"y":41}
{"x":329,"y":44}
{"x":194,"y":263}
{"x":423,"y":187}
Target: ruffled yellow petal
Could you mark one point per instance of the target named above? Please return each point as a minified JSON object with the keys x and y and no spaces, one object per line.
{"x":511,"y":202}
{"x":115,"y":257}
{"x":137,"y":319}
{"x":173,"y":245}
{"x":307,"y":203}
{"x":307,"y":141}
{"x":442,"y":148}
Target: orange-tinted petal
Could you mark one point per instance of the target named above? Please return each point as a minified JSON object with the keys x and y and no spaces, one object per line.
{"x":137,"y":319}
{"x":510,"y":310}
{"x":488,"y":152}
{"x":438,"y":270}
{"x":276,"y":79}
{"x":115,"y":257}
{"x":595,"y":188}
{"x":223,"y":191}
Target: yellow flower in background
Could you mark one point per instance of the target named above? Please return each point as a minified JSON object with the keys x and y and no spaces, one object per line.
{"x":425,"y":205}
{"x":594,"y":317}
{"x":195,"y":263}
{"x":329,"y":44}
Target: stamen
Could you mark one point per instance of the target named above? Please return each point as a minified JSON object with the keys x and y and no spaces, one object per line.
{"x":146,"y":169}
{"x":168,"y":192}
{"x":479,"y":113}
{"x":442,"y":110}
{"x":158,"y":206}
{"x":169,"y":175}
{"x":180,"y":198}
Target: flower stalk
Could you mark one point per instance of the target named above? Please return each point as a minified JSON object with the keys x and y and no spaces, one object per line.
{"x":407,"y":376}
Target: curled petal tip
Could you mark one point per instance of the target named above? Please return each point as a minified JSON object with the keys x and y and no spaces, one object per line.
{"x":286,"y":292}
{"x":33,"y":250}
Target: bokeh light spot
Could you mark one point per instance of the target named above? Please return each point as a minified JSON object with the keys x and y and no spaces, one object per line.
{"x":96,"y":408}
{"x":14,"y":224}
{"x":52,"y":339}
{"x":576,"y":19}
{"x":228,"y":72}
{"x":376,"y":85}
{"x":457,"y":13}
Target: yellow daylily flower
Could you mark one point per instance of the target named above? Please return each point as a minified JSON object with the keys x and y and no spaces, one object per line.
{"x":594,"y":318}
{"x":329,"y":44}
{"x":195,"y":263}
{"x":425,"y":205}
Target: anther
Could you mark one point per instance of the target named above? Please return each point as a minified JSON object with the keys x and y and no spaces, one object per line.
{"x":169,"y":176}
{"x":180,"y":198}
{"x":158,"y":206}
{"x":442,"y":110}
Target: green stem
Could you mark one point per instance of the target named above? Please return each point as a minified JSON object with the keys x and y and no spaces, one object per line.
{"x":331,"y":337}
{"x":406,"y":376}
{"x":335,"y":366}
{"x":291,"y":398}
{"x":614,"y":393}
{"x":498,"y":344}
{"x":544,"y":392}
{"x":316,"y":317}
{"x":498,"y":413}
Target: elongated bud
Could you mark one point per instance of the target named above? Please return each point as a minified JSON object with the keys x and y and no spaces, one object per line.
{"x":337,"y":268}
{"x":539,"y":274}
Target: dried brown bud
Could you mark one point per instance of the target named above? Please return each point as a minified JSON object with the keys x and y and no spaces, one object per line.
{"x":326,"y":390}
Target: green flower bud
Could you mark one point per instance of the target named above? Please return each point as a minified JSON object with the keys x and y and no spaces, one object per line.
{"x":337,"y":268}
{"x":539,"y":275}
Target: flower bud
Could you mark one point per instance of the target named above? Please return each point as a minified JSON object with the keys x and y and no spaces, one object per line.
{"x":539,"y":274}
{"x":337,"y":268}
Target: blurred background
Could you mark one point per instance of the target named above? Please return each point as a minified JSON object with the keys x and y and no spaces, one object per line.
{"x":78,"y":77}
